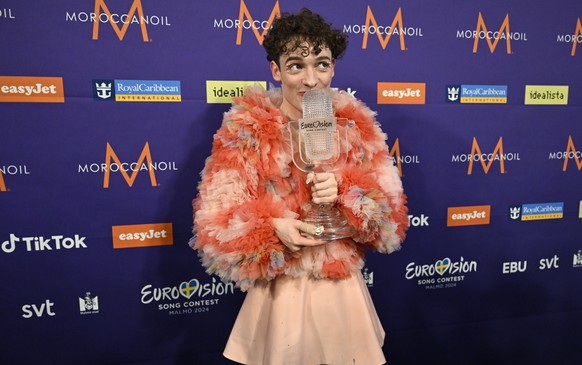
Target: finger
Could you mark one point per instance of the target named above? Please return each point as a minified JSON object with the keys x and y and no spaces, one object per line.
{"x":310,"y":177}
{"x":310,"y":229}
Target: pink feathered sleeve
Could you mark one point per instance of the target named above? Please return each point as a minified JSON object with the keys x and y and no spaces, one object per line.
{"x":232,"y":215}
{"x":370,"y":190}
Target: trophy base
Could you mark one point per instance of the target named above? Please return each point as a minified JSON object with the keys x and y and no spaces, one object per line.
{"x":331,"y":222}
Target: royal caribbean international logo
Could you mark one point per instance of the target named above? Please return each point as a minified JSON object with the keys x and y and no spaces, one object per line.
{"x":137,"y":90}
{"x":537,"y":211}
{"x":444,"y":273}
{"x":89,"y":304}
{"x":368,"y":277}
{"x":477,"y":94}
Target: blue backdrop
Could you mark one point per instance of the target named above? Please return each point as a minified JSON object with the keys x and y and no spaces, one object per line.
{"x":107,"y":111}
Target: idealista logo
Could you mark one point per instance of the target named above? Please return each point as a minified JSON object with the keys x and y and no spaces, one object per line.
{"x":574,"y":38}
{"x":142,"y":235}
{"x":6,"y":170}
{"x":477,"y":94}
{"x":222,"y":92}
{"x":399,"y":158}
{"x":29,"y":89}
{"x":401,"y":93}
{"x":546,"y":95}
{"x":113,"y":164}
{"x":537,"y":211}
{"x":580,"y":210}
{"x":492,"y":37}
{"x":41,"y":243}
{"x":137,"y":90}
{"x":383,"y":31}
{"x":245,"y":21}
{"x":444,"y":273}
{"x":487,"y":159}
{"x":88,"y":304}
{"x":468,"y":216}
{"x":103,"y":15}
{"x":186,"y":298}
{"x":570,"y":153}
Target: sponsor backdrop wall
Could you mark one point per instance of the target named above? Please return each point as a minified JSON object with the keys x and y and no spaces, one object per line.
{"x":107,"y":112}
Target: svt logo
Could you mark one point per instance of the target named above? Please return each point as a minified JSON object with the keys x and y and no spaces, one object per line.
{"x":30,"y":310}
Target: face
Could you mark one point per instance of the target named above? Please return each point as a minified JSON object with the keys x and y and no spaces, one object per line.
{"x":300,"y":72}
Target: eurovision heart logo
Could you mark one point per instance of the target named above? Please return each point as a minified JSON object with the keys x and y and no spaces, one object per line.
{"x":442,"y":266}
{"x":187,"y":289}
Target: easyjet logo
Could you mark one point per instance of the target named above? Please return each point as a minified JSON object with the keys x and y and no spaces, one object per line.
{"x":28,"y":89}
{"x":111,"y":158}
{"x":492,"y":37}
{"x":142,"y":235}
{"x":468,"y":215}
{"x":401,"y":93}
{"x":486,"y":159}
{"x":399,"y":158}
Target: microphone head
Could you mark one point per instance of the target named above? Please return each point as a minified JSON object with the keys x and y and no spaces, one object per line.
{"x":317,"y":104}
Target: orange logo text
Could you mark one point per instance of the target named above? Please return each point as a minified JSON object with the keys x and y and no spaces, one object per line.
{"x":26,"y":89}
{"x":396,"y":24}
{"x":135,"y":6}
{"x":142,"y":235}
{"x":254,"y":25}
{"x":145,"y":156}
{"x":571,"y":151}
{"x":468,"y":216}
{"x":502,"y":33}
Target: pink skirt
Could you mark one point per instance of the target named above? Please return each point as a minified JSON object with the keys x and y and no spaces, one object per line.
{"x":303,"y":321}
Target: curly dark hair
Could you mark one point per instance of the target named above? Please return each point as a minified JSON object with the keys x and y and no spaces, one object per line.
{"x":291,"y":30}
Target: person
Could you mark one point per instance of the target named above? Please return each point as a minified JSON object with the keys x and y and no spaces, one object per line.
{"x":306,"y":300}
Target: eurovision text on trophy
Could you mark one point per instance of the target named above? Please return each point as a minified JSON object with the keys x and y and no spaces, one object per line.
{"x":318,"y":143}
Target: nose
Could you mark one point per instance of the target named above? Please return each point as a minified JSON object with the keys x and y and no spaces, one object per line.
{"x":310,"y":79}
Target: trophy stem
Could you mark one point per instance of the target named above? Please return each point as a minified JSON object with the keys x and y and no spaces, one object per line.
{"x":334,"y":222}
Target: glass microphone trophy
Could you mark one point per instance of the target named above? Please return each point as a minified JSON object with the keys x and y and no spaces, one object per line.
{"x":319,"y":144}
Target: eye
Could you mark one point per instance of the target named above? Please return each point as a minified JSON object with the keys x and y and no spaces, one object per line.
{"x":294,"y":68}
{"x":324,"y":65}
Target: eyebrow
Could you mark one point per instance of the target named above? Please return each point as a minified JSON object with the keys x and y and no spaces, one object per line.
{"x":297,"y":58}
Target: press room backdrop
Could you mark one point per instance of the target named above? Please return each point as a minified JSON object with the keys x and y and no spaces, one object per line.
{"x":108,"y":108}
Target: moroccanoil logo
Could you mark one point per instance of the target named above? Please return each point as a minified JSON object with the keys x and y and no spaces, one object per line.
{"x":400,"y":159}
{"x":492,"y":37}
{"x":401,"y":93}
{"x":570,"y":153}
{"x":8,"y":170}
{"x":574,"y":38}
{"x":119,"y":22}
{"x":546,"y":95}
{"x":468,"y":216}
{"x":245,"y":21}
{"x":223,"y":92}
{"x":142,"y":235}
{"x":486,"y":159}
{"x":383,"y":31}
{"x":113,"y":164}
{"x":28,"y":89}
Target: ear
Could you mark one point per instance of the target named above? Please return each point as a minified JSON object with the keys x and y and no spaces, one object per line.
{"x":275,"y":71}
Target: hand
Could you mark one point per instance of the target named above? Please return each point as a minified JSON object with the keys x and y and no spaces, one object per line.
{"x":289,"y":232}
{"x":324,"y":188}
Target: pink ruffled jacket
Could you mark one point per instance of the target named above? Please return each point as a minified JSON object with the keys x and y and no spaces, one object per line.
{"x":250,"y":178}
